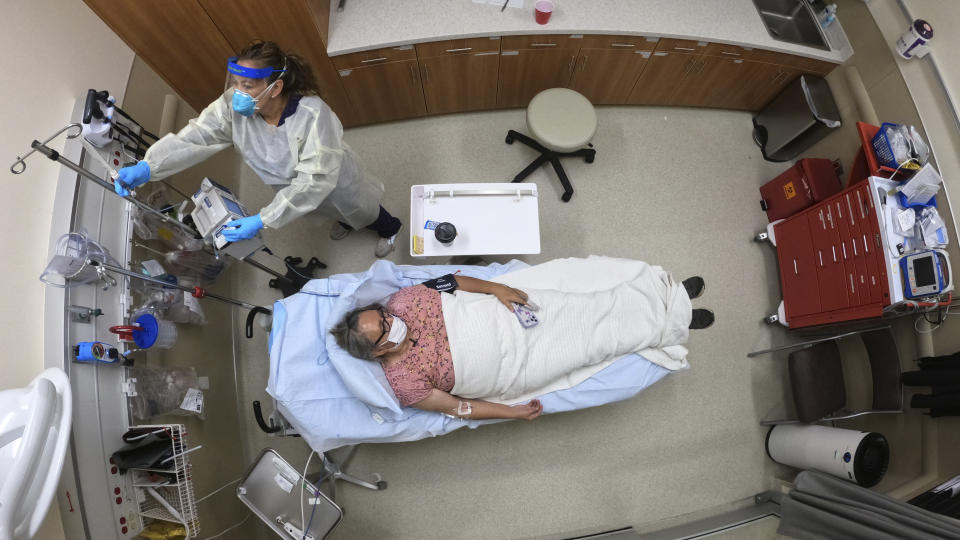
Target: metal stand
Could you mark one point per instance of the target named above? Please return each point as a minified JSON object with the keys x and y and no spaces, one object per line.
{"x":278,"y":426}
{"x":289,"y":283}
{"x":297,"y":276}
{"x":333,"y":471}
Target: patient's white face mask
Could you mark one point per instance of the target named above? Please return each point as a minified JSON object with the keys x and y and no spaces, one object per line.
{"x":398,"y":333}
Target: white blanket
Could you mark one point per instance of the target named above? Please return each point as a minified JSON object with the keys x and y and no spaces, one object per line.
{"x":592,"y":311}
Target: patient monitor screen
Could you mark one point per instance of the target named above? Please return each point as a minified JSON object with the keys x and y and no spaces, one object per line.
{"x":233,"y":207}
{"x":923,"y":270}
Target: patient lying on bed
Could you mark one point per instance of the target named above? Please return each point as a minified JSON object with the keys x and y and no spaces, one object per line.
{"x":454,"y":345}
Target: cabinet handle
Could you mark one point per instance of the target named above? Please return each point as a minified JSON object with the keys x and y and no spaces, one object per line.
{"x":583,"y":65}
{"x":462,"y":49}
{"x":843,"y":246}
{"x":834,"y":250}
{"x":684,"y":49}
{"x":381,"y":59}
{"x":795,"y":270}
{"x":730,"y":53}
{"x":543,"y":44}
{"x":820,"y":254}
{"x":866,"y":246}
{"x":426,"y":74}
{"x":853,"y":244}
{"x":852,"y":290}
{"x":413,"y":74}
{"x":573,"y":60}
{"x":622,"y":45}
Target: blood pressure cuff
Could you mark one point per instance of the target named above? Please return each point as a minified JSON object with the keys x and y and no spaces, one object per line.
{"x":447,"y":283}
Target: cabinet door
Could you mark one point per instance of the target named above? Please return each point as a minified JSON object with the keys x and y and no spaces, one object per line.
{"x":710,"y":82}
{"x":525,"y":73}
{"x":798,"y":270}
{"x":770,"y":81}
{"x":830,"y":271}
{"x":177,"y":39}
{"x":606,"y":76}
{"x":291,"y":25}
{"x":658,"y":83}
{"x":462,"y":82}
{"x":384,"y":92}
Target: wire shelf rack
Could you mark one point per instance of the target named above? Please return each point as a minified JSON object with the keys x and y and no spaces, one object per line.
{"x":178,"y":500}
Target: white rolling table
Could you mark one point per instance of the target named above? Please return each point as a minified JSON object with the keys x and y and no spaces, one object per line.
{"x":491,"y":219}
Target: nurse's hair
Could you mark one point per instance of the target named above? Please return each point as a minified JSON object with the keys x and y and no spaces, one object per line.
{"x":298,"y":77}
{"x":349,"y":337}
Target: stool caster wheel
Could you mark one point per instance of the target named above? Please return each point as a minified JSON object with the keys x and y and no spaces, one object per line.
{"x":589,"y":158}
{"x":509,"y":140}
{"x":566,"y":197}
{"x":772,"y":319}
{"x":760,"y":238}
{"x":381,"y":485}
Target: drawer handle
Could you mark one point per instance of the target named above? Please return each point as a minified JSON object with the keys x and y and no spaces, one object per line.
{"x":853,"y":244}
{"x":852,"y":290}
{"x":795,"y":271}
{"x":860,"y":202}
{"x":381,"y":59}
{"x":543,"y":44}
{"x":844,"y":247}
{"x":684,"y":49}
{"x":820,"y":254}
{"x":622,"y":45}
{"x":866,"y":246}
{"x":730,"y":53}
{"x":834,"y":250}
{"x":462,"y":49}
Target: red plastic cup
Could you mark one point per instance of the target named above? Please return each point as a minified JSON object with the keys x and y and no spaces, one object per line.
{"x":543,"y":9}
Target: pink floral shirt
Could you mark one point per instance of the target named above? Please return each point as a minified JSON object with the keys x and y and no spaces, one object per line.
{"x":428,"y":364}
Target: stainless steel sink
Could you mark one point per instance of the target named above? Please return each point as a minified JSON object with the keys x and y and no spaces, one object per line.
{"x":792,"y":21}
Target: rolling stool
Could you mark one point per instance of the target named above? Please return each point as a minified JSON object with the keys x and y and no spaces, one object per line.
{"x":562,"y":123}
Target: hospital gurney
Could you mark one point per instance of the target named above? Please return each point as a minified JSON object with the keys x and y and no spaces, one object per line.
{"x":333,"y":400}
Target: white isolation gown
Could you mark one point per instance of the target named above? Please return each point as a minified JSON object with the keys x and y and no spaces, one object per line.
{"x":306,"y":159}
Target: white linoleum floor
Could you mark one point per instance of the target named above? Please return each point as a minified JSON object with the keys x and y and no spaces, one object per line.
{"x":674,"y":187}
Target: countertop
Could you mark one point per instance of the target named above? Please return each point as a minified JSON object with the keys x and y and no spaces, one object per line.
{"x":373,"y":24}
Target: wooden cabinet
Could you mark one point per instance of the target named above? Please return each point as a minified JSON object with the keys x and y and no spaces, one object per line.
{"x":292,"y":26}
{"x":607,"y":76}
{"x":459,"y":75}
{"x":526,"y":72}
{"x":447,"y":76}
{"x":766,"y":81}
{"x":384,"y":92}
{"x":466,"y":82}
{"x":663,"y":73}
{"x":177,"y":39}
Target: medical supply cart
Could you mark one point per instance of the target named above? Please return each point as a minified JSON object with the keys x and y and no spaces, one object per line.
{"x":840,"y":259}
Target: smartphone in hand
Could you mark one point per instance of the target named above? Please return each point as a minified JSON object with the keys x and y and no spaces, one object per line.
{"x":525,"y":316}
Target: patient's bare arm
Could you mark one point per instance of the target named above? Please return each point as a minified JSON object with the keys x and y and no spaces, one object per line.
{"x":477,"y":409}
{"x":505,"y":294}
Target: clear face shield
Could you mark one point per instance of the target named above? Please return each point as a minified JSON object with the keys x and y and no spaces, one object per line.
{"x":246,"y":87}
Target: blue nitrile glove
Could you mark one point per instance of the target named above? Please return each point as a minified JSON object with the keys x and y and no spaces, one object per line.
{"x":130,"y":177}
{"x":243,"y":228}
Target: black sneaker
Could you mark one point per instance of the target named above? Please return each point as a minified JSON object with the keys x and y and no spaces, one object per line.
{"x":694,"y":286}
{"x":702,"y":318}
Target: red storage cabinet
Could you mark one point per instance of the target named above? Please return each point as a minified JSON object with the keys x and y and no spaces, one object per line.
{"x":831,"y":261}
{"x":807,"y":182}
